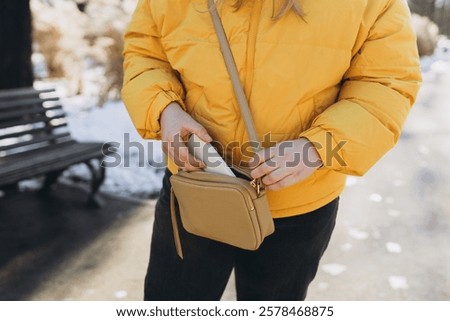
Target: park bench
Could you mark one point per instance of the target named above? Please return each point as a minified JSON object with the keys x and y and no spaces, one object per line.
{"x":35,"y":141}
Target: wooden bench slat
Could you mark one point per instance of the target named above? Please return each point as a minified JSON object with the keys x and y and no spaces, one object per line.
{"x":34,"y":120}
{"x":43,"y":139}
{"x":44,"y":168}
{"x":23,"y":92}
{"x":32,"y":163}
{"x":31,"y":146}
{"x":25,"y":102}
{"x":28,"y":111}
{"x":33,"y":151}
{"x":44,"y":154}
{"x":37,"y":130}
{"x":59,"y":149}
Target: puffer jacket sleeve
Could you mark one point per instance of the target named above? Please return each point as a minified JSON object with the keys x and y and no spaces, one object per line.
{"x":378,"y":90}
{"x":150,"y":84}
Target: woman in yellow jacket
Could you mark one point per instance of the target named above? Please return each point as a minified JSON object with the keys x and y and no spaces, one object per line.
{"x":337,"y":75}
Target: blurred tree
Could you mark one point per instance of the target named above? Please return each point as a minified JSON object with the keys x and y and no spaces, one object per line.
{"x":16,"y":69}
{"x":437,"y":10}
{"x":423,"y":7}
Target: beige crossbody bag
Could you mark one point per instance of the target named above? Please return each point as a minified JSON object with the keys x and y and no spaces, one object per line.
{"x":223,"y":208}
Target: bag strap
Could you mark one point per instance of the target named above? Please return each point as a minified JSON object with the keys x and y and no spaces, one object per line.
{"x":234,"y":75}
{"x":173,"y":217}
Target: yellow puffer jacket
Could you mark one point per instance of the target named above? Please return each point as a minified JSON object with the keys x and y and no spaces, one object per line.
{"x":350,"y":68}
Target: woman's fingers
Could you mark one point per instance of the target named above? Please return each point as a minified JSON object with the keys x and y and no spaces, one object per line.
{"x":275,"y":176}
{"x":176,"y":125}
{"x":285,"y":182}
{"x":264,"y":169}
{"x":202,"y":134}
{"x":189,"y":161}
{"x":284,"y":164}
{"x":263,"y":162}
{"x":262,"y":156}
{"x":191,"y":126}
{"x":179,"y":153}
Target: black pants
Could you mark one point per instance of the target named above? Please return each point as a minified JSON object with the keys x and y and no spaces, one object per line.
{"x":281,"y":269}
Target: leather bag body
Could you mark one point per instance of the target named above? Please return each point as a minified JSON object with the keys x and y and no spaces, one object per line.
{"x":222,"y":208}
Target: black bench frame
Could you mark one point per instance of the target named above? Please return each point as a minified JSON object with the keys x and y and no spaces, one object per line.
{"x":35,"y":141}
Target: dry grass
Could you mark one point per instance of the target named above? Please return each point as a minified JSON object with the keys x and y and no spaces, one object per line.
{"x":427,"y":34}
{"x":111,"y":43}
{"x":73,"y":43}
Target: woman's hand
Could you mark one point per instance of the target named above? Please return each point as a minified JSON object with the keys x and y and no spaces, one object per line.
{"x":286,"y":163}
{"x":176,"y":125}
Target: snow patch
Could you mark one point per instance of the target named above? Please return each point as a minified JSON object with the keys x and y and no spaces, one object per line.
{"x":377,"y":198}
{"x":398,"y":282}
{"x":334,"y":268}
{"x":358,"y":234}
{"x":30,"y":185}
{"x":393,"y":247}
{"x":120,"y":294}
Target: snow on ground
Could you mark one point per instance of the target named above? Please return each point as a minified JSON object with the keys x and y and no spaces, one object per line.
{"x":137,"y":168}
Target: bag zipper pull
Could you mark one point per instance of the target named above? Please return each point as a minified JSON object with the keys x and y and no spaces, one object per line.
{"x":257,"y":185}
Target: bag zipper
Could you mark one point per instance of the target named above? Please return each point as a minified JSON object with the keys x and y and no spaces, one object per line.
{"x":239,"y":187}
{"x":256,"y":183}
